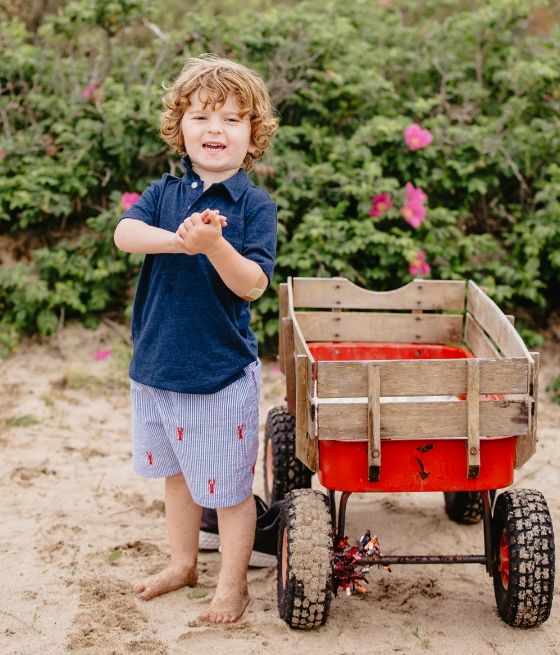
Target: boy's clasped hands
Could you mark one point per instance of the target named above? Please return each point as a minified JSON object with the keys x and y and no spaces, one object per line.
{"x":201,"y":232}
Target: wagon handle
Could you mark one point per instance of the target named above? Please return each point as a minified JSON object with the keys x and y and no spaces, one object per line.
{"x":473,"y":418}
{"x":374,"y":422}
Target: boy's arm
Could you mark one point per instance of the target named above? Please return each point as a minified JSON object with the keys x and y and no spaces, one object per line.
{"x":241,"y":275}
{"x":132,"y":235}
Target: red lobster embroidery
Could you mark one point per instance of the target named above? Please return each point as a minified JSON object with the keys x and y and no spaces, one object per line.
{"x":150,"y":457}
{"x":211,"y":485}
{"x":180,"y":432}
{"x":240,"y":431}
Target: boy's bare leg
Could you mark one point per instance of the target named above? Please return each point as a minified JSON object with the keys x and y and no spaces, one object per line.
{"x":237,"y":536}
{"x":182,"y":516}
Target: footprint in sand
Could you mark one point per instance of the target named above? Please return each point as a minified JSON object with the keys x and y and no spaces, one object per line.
{"x":109,"y":615}
{"x":24,"y":475}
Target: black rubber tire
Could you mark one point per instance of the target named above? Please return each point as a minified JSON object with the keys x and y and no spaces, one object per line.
{"x":288,"y":472}
{"x":463,"y":506}
{"x":305,"y":559}
{"x":522,"y":519}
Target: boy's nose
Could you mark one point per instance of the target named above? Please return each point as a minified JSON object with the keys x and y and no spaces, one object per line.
{"x":215,"y":126}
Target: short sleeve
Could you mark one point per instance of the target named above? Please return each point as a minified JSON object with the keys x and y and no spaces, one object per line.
{"x":259,"y":242}
{"x":146,"y":209}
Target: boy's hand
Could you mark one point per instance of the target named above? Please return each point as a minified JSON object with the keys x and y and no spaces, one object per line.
{"x":201,"y":232}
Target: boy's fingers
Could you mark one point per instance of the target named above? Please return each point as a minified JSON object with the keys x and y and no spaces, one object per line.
{"x":207,"y":215}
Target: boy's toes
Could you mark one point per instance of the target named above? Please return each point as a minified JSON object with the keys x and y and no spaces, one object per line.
{"x":170,"y":579}
{"x":225,"y":610}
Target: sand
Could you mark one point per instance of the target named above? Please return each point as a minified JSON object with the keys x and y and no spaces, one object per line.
{"x":76,"y":526}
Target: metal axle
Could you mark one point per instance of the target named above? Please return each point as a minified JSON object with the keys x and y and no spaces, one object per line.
{"x":386,"y":560}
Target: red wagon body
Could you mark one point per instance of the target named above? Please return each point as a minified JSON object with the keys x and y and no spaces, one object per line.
{"x":415,"y":464}
{"x":424,"y":388}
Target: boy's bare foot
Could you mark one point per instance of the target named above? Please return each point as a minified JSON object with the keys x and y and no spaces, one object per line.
{"x":225,"y":608}
{"x":170,"y":579}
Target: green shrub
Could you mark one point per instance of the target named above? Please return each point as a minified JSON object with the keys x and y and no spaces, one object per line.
{"x":80,"y":103}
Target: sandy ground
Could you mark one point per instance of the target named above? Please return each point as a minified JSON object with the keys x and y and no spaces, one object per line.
{"x":76,"y":526}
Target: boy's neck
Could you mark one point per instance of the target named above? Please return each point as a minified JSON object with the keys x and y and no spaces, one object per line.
{"x":212,"y":177}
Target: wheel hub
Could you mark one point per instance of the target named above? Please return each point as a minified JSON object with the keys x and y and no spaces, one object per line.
{"x":503,"y":564}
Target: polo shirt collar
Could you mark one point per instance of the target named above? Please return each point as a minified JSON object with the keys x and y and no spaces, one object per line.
{"x":234,"y":185}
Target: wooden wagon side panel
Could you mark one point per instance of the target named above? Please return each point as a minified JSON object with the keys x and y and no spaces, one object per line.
{"x":491,"y":319}
{"x":283,"y":312}
{"x":307,"y":446}
{"x":340,"y":293}
{"x":400,"y":328}
{"x":526,"y":445}
{"x":422,"y":420}
{"x":421,"y":377}
{"x":478,"y":342}
{"x":486,"y":318}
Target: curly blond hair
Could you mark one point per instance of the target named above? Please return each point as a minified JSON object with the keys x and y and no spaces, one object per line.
{"x":215,"y":78}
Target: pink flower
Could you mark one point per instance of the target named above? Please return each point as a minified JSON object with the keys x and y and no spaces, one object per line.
{"x":418,"y":265}
{"x":100,"y":355}
{"x":416,"y":138}
{"x":414,"y":211}
{"x":380,"y":204}
{"x":2,"y":153}
{"x":385,"y":3}
{"x":89,"y":92}
{"x":129,"y":199}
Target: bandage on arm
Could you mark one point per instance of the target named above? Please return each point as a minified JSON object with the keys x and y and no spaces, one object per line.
{"x":241,"y":275}
{"x":254,"y":294}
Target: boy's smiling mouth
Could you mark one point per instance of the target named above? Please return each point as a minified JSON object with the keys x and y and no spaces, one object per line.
{"x":213,"y":146}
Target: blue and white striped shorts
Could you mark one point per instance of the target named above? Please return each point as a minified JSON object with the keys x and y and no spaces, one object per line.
{"x":211,"y":438}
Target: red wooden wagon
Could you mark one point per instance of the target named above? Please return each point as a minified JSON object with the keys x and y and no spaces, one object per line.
{"x":425,"y":388}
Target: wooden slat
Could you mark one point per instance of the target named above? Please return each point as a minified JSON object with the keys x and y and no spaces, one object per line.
{"x":421,"y":420}
{"x":478,"y":342}
{"x":283,"y":313}
{"x":418,"y":294}
{"x":493,"y":321}
{"x":361,"y":326}
{"x":290,"y":372}
{"x":300,"y":345}
{"x":306,"y":442}
{"x":301,"y":401}
{"x":473,"y":418}
{"x":526,"y":445}
{"x":311,"y":459}
{"x":421,"y":377}
{"x":297,"y":346}
{"x":374,"y":425}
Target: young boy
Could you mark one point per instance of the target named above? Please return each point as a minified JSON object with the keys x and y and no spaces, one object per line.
{"x":209,"y":240}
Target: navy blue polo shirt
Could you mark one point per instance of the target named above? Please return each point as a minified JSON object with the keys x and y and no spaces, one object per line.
{"x":190,"y":332}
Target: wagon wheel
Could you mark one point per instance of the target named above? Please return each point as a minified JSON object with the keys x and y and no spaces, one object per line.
{"x":465,"y":506}
{"x":305,"y":551}
{"x":283,"y":472}
{"x":523,"y":557}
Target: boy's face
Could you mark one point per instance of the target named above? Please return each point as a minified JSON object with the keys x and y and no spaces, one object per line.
{"x":216,"y":141}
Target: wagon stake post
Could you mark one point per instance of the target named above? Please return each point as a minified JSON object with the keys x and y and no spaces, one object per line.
{"x":473,"y":418}
{"x":374,"y":422}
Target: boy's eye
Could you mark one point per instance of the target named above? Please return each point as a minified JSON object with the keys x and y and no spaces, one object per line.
{"x":233,"y":120}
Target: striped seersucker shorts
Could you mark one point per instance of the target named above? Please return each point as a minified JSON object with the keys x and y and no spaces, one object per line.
{"x":211,"y":438}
